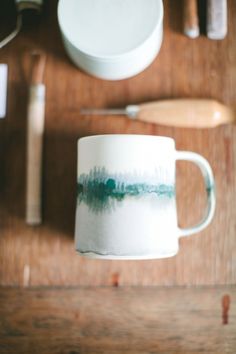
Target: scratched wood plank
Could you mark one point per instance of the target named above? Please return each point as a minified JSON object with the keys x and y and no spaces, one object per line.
{"x":118,"y":320}
{"x":185,"y":68}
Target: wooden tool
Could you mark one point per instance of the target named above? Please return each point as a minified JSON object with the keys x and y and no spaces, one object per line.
{"x":186,"y":113}
{"x":191,"y":26}
{"x":35,"y":128}
{"x":216,"y":19}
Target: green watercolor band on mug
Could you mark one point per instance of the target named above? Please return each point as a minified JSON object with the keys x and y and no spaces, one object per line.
{"x":98,"y":189}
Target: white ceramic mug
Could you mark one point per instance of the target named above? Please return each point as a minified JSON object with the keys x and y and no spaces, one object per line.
{"x":126,"y":204}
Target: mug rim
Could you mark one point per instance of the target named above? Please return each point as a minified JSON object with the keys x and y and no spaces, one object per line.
{"x":144,"y":136}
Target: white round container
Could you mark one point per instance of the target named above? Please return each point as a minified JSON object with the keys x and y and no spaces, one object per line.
{"x":111,"y":39}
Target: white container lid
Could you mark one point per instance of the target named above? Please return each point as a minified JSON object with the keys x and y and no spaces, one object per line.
{"x":107,"y":29}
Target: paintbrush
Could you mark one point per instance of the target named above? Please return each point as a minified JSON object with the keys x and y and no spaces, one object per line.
{"x":35,"y":129}
{"x":191,"y":26}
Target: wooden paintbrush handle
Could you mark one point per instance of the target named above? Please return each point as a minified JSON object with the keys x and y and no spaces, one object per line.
{"x":191,"y":26}
{"x":35,"y":128}
{"x":187,"y":113}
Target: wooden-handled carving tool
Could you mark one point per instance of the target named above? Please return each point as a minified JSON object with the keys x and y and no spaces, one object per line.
{"x":191,"y":26}
{"x":186,"y":113}
{"x":35,"y":128}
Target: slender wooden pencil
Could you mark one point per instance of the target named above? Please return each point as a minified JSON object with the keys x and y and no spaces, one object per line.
{"x":191,"y":26}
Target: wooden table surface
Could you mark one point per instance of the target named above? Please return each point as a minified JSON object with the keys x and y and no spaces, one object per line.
{"x":118,"y":320}
{"x":184,"y":68}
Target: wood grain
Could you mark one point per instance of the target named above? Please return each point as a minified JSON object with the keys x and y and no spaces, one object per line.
{"x":184,"y":68}
{"x":123,"y":320}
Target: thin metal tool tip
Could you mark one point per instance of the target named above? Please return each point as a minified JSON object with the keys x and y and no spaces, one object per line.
{"x":91,"y":111}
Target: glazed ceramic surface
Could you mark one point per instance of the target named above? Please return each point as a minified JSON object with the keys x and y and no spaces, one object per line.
{"x":126,"y":205}
{"x":112,"y":40}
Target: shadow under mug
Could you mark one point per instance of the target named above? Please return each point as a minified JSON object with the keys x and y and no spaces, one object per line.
{"x":126,"y":202}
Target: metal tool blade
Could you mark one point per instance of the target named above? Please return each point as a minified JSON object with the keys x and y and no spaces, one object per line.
{"x":95,"y":111}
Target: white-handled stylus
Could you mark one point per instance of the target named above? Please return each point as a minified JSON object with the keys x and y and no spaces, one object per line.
{"x":3,"y":90}
{"x":35,"y":129}
{"x":216,"y":19}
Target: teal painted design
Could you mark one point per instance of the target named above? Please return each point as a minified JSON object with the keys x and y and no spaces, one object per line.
{"x":100,"y":190}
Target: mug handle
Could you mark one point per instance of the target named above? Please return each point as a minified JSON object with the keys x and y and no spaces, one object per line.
{"x":207,"y":174}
